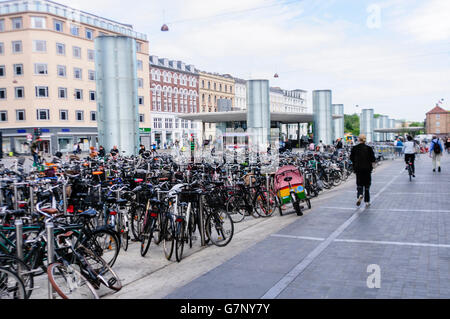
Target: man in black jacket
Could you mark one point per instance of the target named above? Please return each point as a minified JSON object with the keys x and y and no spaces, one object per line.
{"x":363,"y":157}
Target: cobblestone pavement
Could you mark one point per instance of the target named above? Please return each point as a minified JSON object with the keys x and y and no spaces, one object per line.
{"x":328,"y":252}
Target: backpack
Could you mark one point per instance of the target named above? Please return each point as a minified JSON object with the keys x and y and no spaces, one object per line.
{"x":437,"y":148}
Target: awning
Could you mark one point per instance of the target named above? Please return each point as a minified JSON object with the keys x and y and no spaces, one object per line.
{"x":241,"y":116}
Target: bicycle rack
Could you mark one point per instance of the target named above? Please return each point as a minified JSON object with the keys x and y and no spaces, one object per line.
{"x":19,"y":244}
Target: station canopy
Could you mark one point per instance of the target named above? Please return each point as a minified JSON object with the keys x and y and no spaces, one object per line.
{"x":241,"y":116}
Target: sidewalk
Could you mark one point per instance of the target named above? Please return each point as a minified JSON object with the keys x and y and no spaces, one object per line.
{"x":328,"y":252}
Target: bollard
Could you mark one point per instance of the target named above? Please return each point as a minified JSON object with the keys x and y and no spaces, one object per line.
{"x":31,"y":199}
{"x":50,"y":252}
{"x":19,"y":245}
{"x":201,"y":227}
{"x":64,"y":185}
{"x":16,"y":201}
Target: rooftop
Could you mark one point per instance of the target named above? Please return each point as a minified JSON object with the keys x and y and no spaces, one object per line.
{"x":75,"y":15}
{"x":438,"y":110}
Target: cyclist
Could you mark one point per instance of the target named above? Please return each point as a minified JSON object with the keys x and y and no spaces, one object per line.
{"x":409,"y":149}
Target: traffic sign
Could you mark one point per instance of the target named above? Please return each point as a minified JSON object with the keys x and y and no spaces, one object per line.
{"x":29,"y":137}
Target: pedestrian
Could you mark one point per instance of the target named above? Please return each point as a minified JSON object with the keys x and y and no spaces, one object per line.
{"x":363,"y":157}
{"x":321,"y":146}
{"x":447,"y":145}
{"x":141,"y":149}
{"x":101,"y":151}
{"x":436,"y":150}
{"x":114,"y":151}
{"x":75,"y":148}
{"x":311,"y":146}
{"x":339,"y":144}
{"x":93,"y":153}
{"x":154,"y":148}
{"x":35,"y":153}
{"x":399,"y":147}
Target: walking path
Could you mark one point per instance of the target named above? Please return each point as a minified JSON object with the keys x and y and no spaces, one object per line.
{"x":330,"y":252}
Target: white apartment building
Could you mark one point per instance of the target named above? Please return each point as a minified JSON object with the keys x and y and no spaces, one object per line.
{"x":240,"y":93}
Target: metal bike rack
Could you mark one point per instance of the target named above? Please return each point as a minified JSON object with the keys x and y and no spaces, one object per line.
{"x":202,"y":225}
{"x":50,"y":252}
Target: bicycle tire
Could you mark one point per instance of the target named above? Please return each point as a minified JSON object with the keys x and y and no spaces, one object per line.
{"x":137,"y":218}
{"x":101,"y":270}
{"x":59,"y":276}
{"x":179,"y":241}
{"x":105,"y":243}
{"x":11,"y":286}
{"x":168,"y":238}
{"x":215,"y":226}
{"x":266,"y":204}
{"x":233,"y":208}
{"x":12,"y":262}
{"x":146,"y":237}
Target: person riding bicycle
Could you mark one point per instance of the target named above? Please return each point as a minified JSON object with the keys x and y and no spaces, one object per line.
{"x":409,"y":149}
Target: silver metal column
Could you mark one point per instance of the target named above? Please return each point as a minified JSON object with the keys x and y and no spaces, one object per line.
{"x":338,"y":124}
{"x":50,"y":252}
{"x":323,"y":120}
{"x":258,"y":114}
{"x":367,"y":124}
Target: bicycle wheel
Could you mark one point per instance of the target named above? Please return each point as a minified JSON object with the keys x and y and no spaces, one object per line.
{"x":11,"y":286}
{"x":124,"y":231}
{"x":105,"y":243}
{"x":146,"y":236}
{"x":219,"y":227}
{"x":100,"y":268}
{"x":179,"y":240}
{"x":168,"y":235}
{"x":235,"y":209}
{"x":265,"y":204}
{"x":14,"y":264}
{"x":69,"y":283}
{"x":137,"y":218}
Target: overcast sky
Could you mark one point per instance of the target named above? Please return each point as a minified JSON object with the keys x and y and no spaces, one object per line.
{"x":389,"y":55}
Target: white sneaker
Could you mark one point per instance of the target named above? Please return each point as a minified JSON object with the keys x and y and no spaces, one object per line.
{"x":360,"y":198}
{"x":367,"y":205}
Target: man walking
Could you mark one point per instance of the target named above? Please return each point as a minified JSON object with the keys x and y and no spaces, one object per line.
{"x":436,"y":151}
{"x":363,"y":157}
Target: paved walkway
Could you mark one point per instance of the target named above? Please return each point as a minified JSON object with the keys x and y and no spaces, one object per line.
{"x":331,"y":251}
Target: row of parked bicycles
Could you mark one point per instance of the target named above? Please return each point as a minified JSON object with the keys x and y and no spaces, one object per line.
{"x":70,"y":219}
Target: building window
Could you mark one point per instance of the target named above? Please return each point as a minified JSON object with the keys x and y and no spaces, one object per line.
{"x":438,"y":116}
{"x":92,"y":96}
{"x":141,"y":118}
{"x":3,"y":116}
{"x":138,"y":47}
{"x":438,"y":124}
{"x":40,"y":69}
{"x":61,"y":70}
{"x":141,"y":100}
{"x":2,"y":25}
{"x":157,"y":122}
{"x":2,"y":71}
{"x":18,"y":69}
{"x":91,"y":75}
{"x":20,"y":115}
{"x":77,"y":73}
{"x":74,"y":30}
{"x":17,"y":23}
{"x":79,"y":115}
{"x":43,"y":114}
{"x":89,"y":34}
{"x":41,"y":91}
{"x":139,"y":65}
{"x":20,"y":92}
{"x":39,"y":46}
{"x":77,"y":52}
{"x":2,"y":48}
{"x":93,"y":116}
{"x":140,"y":83}
{"x":58,"y":25}
{"x":60,"y":49}
{"x":17,"y":46}
{"x":38,"y":22}
{"x":91,"y":55}
{"x":78,"y":94}
{"x":62,"y":93}
{"x":2,"y":93}
{"x":63,"y":115}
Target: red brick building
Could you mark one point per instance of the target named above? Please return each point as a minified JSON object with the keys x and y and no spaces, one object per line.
{"x":174,"y":89}
{"x":438,"y":122}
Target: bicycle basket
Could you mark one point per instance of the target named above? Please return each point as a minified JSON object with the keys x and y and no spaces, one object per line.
{"x":188,"y":196}
{"x":214,"y":201}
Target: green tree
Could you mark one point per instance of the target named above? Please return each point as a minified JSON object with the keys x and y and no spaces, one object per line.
{"x":351,"y":124}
